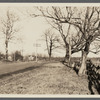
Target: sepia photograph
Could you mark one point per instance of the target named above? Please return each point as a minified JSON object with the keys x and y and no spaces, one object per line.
{"x":49,"y":49}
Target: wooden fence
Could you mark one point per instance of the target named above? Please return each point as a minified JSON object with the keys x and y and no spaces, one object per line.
{"x":93,"y":72}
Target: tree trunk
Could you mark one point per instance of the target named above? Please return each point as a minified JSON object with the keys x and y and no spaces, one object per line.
{"x":50,"y":50}
{"x":49,"y":57}
{"x":67,"y":57}
{"x":83,"y":64}
{"x":84,"y":57}
{"x":6,"y":49}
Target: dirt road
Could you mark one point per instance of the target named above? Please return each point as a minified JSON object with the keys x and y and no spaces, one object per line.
{"x":13,"y":67}
{"x":47,"y":78}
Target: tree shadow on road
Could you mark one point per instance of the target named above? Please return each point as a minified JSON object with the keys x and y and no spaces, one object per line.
{"x":21,"y":70}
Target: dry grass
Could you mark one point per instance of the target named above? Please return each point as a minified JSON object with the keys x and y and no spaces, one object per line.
{"x":48,"y":78}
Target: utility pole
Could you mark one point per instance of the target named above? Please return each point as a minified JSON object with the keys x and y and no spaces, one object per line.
{"x":36,"y":45}
{"x":14,"y":56}
{"x":36,"y":48}
{"x":22,"y":53}
{"x":69,"y":50}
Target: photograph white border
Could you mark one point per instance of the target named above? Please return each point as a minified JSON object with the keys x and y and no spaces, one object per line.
{"x":49,"y":95}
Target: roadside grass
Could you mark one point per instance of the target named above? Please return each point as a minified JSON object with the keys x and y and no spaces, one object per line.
{"x":49,"y":78}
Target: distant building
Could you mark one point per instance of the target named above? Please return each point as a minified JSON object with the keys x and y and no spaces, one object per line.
{"x":9,"y":58}
{"x":30,"y":58}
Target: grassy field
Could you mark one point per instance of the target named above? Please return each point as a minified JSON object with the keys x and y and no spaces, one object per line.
{"x":44,"y":78}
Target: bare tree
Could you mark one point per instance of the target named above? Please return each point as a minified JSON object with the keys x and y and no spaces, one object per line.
{"x":71,"y":40}
{"x":63,"y":28}
{"x":89,"y":26}
{"x":85,"y":19}
{"x":51,"y":41}
{"x":9,"y":29}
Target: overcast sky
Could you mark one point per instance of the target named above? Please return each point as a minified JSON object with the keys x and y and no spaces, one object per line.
{"x":31,"y":30}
